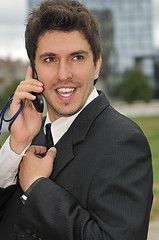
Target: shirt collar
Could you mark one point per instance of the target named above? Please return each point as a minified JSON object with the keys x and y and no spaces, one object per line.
{"x":61,"y":125}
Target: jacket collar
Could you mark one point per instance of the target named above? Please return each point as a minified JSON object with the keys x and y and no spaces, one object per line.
{"x":77,"y":133}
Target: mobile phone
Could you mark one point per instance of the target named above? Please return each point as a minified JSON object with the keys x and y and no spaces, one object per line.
{"x":38,"y":102}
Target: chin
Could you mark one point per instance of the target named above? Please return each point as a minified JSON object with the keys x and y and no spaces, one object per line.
{"x":68,"y":113}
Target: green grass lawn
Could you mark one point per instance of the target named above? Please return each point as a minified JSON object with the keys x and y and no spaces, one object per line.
{"x":150,"y":126}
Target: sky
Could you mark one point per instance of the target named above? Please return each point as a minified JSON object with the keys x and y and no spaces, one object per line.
{"x":13,"y":15}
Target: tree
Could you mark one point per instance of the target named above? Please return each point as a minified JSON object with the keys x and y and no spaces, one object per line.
{"x":136,"y":86}
{"x":7,"y":91}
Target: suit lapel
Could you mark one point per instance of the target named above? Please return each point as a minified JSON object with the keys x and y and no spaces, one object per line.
{"x":86,"y":118}
{"x":64,"y":154}
{"x":77,"y":133}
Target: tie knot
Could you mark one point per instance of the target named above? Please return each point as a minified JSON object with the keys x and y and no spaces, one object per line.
{"x":49,"y":140}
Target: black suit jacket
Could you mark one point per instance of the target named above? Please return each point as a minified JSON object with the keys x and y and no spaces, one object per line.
{"x":100,"y":186}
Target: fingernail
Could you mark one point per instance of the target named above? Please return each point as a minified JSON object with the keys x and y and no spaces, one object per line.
{"x":52,"y":149}
{"x":41,"y":88}
{"x":40,"y":83}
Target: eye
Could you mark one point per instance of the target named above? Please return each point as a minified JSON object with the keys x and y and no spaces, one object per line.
{"x":49,"y":59}
{"x":78,"y":57}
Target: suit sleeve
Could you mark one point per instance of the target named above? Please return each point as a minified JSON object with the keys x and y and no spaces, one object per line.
{"x":5,"y":195}
{"x":119,"y":200}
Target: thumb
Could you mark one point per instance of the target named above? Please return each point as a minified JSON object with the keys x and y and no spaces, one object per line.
{"x":51,"y":153}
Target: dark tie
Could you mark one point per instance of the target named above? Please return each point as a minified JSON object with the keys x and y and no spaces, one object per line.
{"x":49,"y":140}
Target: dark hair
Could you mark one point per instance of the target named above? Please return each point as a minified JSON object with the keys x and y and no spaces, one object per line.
{"x":63,"y":15}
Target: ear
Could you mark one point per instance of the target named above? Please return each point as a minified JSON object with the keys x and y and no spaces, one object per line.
{"x":97,"y":67}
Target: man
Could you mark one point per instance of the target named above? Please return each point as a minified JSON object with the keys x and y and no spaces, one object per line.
{"x":96,"y":182}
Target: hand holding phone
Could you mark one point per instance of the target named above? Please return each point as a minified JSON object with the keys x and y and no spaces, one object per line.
{"x":38,"y":102}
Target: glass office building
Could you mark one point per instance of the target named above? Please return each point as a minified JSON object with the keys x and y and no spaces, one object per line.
{"x":133,"y":36}
{"x":126,"y":29}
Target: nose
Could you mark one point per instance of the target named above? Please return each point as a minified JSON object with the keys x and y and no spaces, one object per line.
{"x":64,"y":71}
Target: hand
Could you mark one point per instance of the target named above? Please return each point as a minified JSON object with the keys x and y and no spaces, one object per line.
{"x":33,"y":166}
{"x":28,"y":123}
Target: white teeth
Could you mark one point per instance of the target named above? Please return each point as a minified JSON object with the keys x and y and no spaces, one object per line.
{"x":65,"y":90}
{"x":66,"y":95}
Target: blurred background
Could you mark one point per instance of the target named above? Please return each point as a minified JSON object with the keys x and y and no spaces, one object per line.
{"x":130,"y":69}
{"x":130,"y":45}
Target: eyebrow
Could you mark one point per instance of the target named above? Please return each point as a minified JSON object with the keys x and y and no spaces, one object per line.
{"x":50,"y":54}
{"x":47,"y":54}
{"x":79,"y":52}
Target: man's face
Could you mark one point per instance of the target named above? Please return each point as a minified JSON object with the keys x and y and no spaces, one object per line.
{"x":64,"y":64}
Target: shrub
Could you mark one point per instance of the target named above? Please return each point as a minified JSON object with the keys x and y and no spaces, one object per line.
{"x":136,"y":86}
{"x":7,"y":91}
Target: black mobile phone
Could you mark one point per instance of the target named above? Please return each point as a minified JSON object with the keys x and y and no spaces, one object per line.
{"x":38,"y":102}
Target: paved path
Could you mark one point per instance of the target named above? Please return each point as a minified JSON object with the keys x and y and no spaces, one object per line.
{"x":138,"y":108}
{"x":154,"y":230}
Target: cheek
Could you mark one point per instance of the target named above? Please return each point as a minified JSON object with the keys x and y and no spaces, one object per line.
{"x":91,"y":76}
{"x":45,"y":78}
{"x":87,"y":74}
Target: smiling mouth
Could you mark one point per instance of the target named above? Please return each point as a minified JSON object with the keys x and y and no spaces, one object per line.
{"x":65,"y":92}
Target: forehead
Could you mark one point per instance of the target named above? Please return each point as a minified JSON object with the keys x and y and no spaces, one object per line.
{"x":62,"y":41}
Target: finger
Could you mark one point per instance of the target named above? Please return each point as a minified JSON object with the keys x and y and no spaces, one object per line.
{"x":40,"y":149}
{"x":35,"y":150}
{"x":24,"y":90}
{"x":30,"y":85}
{"x":29,"y":73}
{"x":18,"y":96}
{"x":51,"y":153}
{"x":29,"y":76}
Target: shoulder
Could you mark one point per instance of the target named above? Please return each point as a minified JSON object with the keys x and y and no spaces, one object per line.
{"x":115,"y":128}
{"x":113,"y":121}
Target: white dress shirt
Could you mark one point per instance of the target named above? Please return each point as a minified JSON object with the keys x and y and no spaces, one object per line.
{"x":9,"y":160}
